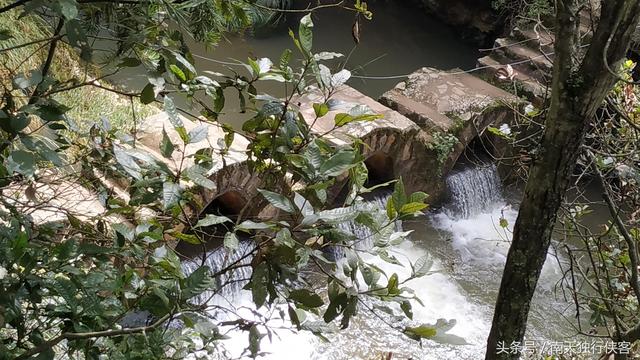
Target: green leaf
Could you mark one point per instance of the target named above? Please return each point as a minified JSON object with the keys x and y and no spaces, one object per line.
{"x":258,"y":284}
{"x":336,"y":306}
{"x":406,"y":308}
{"x":420,"y":332}
{"x":254,"y":341}
{"x":49,"y":111}
{"x":161,"y":295}
{"x":211,"y":219}
{"x":340,"y":77}
{"x":196,"y":173}
{"x":391,"y":210}
{"x":125,"y":230}
{"x":320,"y":109}
{"x":392,"y":285}
{"x":293,"y":316}
{"x":197,"y":283}
{"x":189,"y":238}
{"x":504,"y":223}
{"x":166,"y":146}
{"x":279,"y":201}
{"x":399,"y":196}
{"x":127,"y":162}
{"x":422,"y":265}
{"x":186,"y":63}
{"x":19,"y":122}
{"x":384,"y":255}
{"x":305,"y":33}
{"x":170,"y":194}
{"x":172,"y":113}
{"x":326,"y":55}
{"x":78,"y":38}
{"x":349,"y":311}
{"x":148,"y":95}
{"x":283,"y":237}
{"x":370,"y":275}
{"x":229,"y":135}
{"x":338,"y":215}
{"x":418,"y":196}
{"x":22,"y":81}
{"x":68,"y":9}
{"x":5,"y":34}
{"x":342,"y":119}
{"x":338,"y":163}
{"x":285,"y":57}
{"x":248,"y":225}
{"x":199,"y":133}
{"x":306,"y":298}
{"x":323,"y":76}
{"x":412,"y":208}
{"x":22,"y":162}
{"x":231,"y":241}
{"x":302,"y":204}
{"x":178,"y":72}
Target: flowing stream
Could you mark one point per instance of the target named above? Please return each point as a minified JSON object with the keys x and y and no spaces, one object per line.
{"x":465,"y":240}
{"x":468,"y":247}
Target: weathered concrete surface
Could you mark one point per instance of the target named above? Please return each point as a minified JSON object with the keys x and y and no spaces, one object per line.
{"x":452,"y":108}
{"x":54,"y":197}
{"x":349,"y":97}
{"x":436,"y":100}
{"x":393,"y":146}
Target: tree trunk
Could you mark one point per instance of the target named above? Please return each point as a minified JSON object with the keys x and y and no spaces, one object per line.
{"x":577,"y":92}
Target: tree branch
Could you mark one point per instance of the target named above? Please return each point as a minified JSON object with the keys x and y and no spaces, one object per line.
{"x":96,"y":334}
{"x":13,"y":5}
{"x":631,"y":244}
{"x":30,"y":43}
{"x":45,"y":70}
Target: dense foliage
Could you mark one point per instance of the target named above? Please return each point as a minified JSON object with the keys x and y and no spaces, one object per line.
{"x":70,"y":284}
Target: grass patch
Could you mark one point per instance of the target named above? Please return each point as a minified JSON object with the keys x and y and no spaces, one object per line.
{"x":88,"y":104}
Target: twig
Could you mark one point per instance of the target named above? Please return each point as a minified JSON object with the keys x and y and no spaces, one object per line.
{"x":96,"y":334}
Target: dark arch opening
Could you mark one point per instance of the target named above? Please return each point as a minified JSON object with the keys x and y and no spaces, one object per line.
{"x":479,"y":151}
{"x":380,"y":167}
{"x":229,"y":204}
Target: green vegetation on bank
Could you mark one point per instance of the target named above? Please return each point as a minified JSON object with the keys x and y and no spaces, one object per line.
{"x":88,"y":104}
{"x":69,"y":279}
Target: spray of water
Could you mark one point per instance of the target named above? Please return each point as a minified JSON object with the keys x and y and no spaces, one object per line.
{"x":472,"y":221}
{"x":479,"y":223}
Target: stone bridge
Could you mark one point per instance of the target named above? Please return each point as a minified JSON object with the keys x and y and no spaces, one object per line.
{"x":428,"y":121}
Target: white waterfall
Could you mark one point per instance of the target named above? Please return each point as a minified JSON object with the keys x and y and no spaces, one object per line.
{"x":474,"y":190}
{"x":471,"y":220}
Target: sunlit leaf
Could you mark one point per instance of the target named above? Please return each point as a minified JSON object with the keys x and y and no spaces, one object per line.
{"x":278,"y":200}
{"x":170,"y":194}
{"x":166,"y":146}
{"x":211,"y":219}
{"x":305,"y":33}
{"x":231,"y":241}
